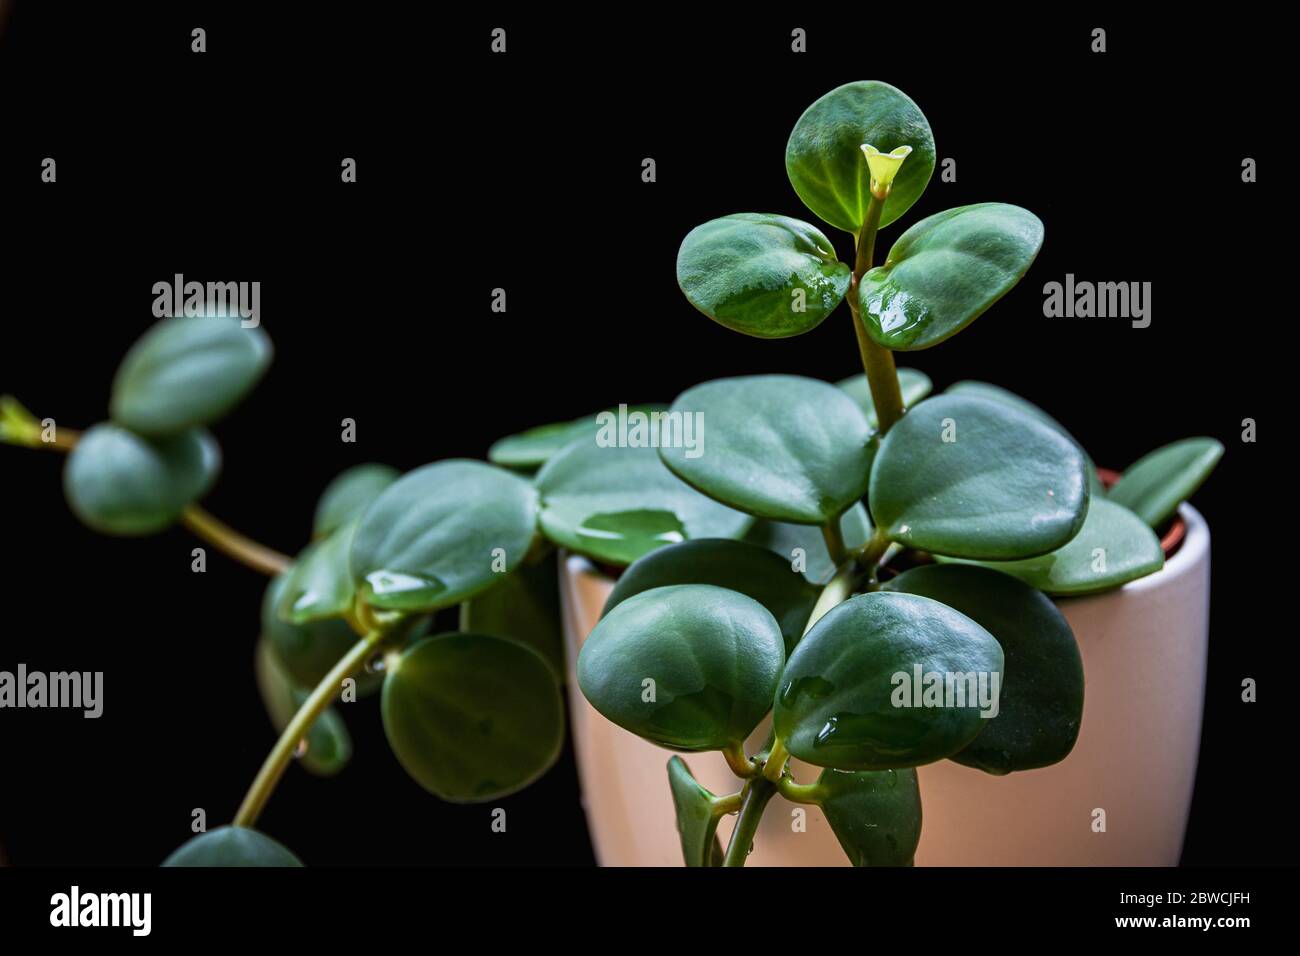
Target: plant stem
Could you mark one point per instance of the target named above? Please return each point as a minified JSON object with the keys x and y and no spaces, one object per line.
{"x":278,"y":759}
{"x":753,"y":802}
{"x":226,"y":539}
{"x":798,"y":792}
{"x":740,"y":765}
{"x":774,"y":766}
{"x":877,"y":361}
{"x":729,"y":803}
{"x":834,"y":536}
{"x":837,"y":592}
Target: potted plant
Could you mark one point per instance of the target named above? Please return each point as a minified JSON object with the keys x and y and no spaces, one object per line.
{"x":820,"y":588}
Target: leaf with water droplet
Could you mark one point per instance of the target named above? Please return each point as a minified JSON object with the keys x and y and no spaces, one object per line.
{"x":1157,"y":483}
{"x":945,"y":272}
{"x":441,"y":534}
{"x":232,"y":846}
{"x":319,"y":584}
{"x":473,"y":717}
{"x":781,"y":447}
{"x":348,"y":495}
{"x":851,"y":698}
{"x":1040,"y":705}
{"x":764,"y":275}
{"x":712,"y":658}
{"x":117,"y":482}
{"x":876,"y":816}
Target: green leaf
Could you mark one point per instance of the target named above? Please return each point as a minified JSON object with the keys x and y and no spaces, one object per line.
{"x":532,"y":448}
{"x":526,"y":607}
{"x":348,"y":495}
{"x":913,"y":384}
{"x":945,"y":271}
{"x":441,"y":534}
{"x":1113,"y":547}
{"x":748,"y":568}
{"x":777,"y":446}
{"x":1040,"y":704}
{"x":697,"y":822}
{"x":473,"y":717}
{"x":806,"y":545}
{"x":689,"y":667}
{"x":824,"y":155}
{"x":995,"y":393}
{"x":307,"y":652}
{"x":616,"y":502}
{"x":232,"y":846}
{"x":329,"y":745}
{"x":765,"y":275}
{"x":850,"y":699}
{"x":120,"y":483}
{"x":1157,"y":483}
{"x":971,"y":478}
{"x":875,"y":816}
{"x":187,"y":371}
{"x":319,"y":584}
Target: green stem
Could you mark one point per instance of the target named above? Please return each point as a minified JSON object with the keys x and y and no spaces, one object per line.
{"x":834,"y":536}
{"x":278,"y":759}
{"x":740,"y":765}
{"x":774,"y":765}
{"x":798,"y":792}
{"x":753,"y":802}
{"x":235,"y":545}
{"x":723,"y":805}
{"x":877,"y":361}
{"x":837,"y":592}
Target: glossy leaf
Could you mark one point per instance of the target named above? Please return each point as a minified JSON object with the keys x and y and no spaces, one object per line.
{"x":1113,"y":547}
{"x":473,"y":717}
{"x":617,"y":503}
{"x":232,"y":846}
{"x":995,"y":393}
{"x":824,"y":155}
{"x":1157,"y":483}
{"x":187,"y":371}
{"x":697,"y":823}
{"x":319,"y":585}
{"x":967,"y":477}
{"x":329,"y":745}
{"x":738,"y":565}
{"x":762,"y":274}
{"x":441,"y":534}
{"x":804,"y":545}
{"x":1040,"y":704}
{"x":781,"y":447}
{"x":120,"y":483}
{"x":525,"y":606}
{"x":875,"y":816}
{"x":533,"y":448}
{"x":945,"y":271}
{"x":913,"y":384}
{"x":308,"y":651}
{"x":689,"y":667}
{"x":348,"y":495}
{"x":850,"y":697}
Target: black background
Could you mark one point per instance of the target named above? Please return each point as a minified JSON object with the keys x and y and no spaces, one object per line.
{"x":522,"y":171}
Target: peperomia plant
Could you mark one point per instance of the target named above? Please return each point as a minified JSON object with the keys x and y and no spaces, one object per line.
{"x":870,"y":566}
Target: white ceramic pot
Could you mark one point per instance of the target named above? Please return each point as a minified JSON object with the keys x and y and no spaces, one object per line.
{"x":1144,"y":649}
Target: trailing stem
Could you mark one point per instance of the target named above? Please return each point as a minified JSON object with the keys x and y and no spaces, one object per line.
{"x":877,"y":361}
{"x":757,"y":793}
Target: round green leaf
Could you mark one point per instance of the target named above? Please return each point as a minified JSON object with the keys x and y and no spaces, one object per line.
{"x":525,"y":606}
{"x":697,"y":823}
{"x":1113,"y":547}
{"x":804,"y":545}
{"x":307,"y":652}
{"x":120,"y":483}
{"x":616,"y":503}
{"x":533,"y":448}
{"x":776,"y":446}
{"x":824,"y":155}
{"x":1155,"y":485}
{"x":689,"y":667}
{"x":765,"y":275}
{"x":995,"y":393}
{"x":348,"y":495}
{"x":913,"y":384}
{"x":1040,"y":704}
{"x":738,"y":565}
{"x":187,"y":371}
{"x":441,"y":534}
{"x":875,"y":816}
{"x":473,"y":717}
{"x":945,"y":271}
{"x":232,"y":846}
{"x":972,"y":478}
{"x":319,"y":584}
{"x":329,"y":745}
{"x":850,"y":697}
